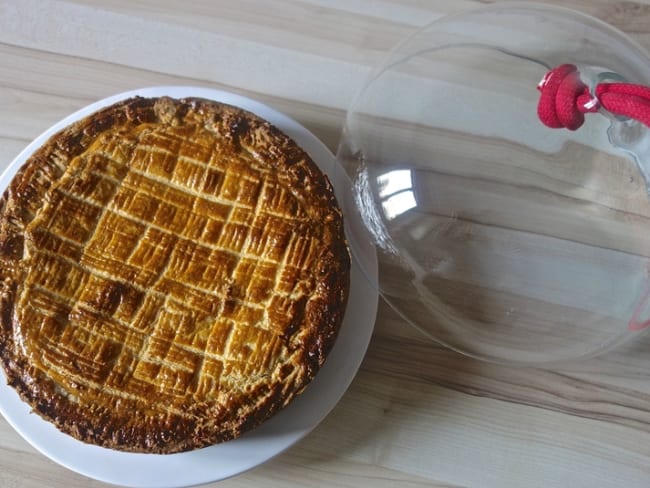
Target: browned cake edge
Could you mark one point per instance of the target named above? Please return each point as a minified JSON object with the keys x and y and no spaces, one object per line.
{"x":322,"y":317}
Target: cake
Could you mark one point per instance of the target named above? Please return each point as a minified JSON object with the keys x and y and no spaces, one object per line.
{"x":173,"y":273}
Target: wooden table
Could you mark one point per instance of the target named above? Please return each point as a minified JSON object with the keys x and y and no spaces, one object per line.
{"x":416,"y":414}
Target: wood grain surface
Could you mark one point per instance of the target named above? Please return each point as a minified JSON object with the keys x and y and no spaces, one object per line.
{"x":417,"y":414}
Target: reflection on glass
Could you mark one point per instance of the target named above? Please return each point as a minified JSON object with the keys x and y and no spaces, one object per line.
{"x":394,"y":181}
{"x":397,"y":204}
{"x":396,"y":192}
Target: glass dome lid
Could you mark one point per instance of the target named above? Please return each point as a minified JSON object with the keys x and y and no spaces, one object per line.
{"x":497,"y":235}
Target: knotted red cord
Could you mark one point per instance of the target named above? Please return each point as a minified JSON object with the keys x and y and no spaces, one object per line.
{"x":565,"y":99}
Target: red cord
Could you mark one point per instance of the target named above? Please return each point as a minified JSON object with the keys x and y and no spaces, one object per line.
{"x":565,"y":99}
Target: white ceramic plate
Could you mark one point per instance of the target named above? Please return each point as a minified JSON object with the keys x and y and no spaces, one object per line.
{"x":277,"y":434}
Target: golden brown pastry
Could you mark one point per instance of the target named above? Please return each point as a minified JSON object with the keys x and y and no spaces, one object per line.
{"x":173,"y":273}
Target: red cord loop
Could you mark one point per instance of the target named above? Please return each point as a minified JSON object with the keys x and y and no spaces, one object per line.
{"x":565,"y":99}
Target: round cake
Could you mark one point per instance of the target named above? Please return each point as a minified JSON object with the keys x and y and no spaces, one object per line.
{"x":174,"y":272}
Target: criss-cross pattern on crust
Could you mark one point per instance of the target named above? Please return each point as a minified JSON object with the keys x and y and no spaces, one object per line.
{"x":166,"y":289}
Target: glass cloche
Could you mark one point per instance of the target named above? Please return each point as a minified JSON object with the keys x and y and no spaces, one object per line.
{"x":497,"y":235}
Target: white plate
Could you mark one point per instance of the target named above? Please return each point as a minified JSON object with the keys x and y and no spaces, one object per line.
{"x":277,"y":434}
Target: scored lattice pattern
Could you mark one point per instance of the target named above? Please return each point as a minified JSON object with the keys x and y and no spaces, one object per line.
{"x":161,"y":270}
